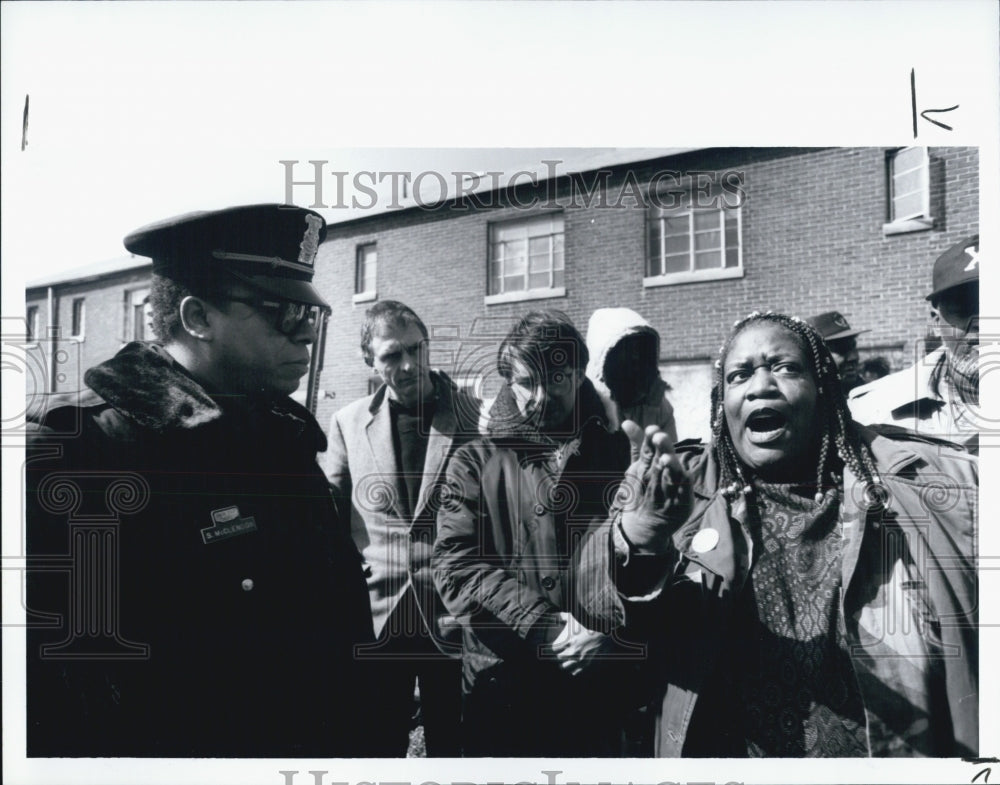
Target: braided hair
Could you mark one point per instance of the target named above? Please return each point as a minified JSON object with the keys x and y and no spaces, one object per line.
{"x":835,"y":421}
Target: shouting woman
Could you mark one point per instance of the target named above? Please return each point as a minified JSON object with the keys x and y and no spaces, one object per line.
{"x":806,"y":586}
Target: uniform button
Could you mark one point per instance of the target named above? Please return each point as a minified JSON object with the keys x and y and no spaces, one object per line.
{"x":705,"y":541}
{"x":539,"y":509}
{"x":247,"y":584}
{"x":548,"y":583}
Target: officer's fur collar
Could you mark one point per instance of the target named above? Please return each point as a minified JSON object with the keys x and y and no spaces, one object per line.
{"x":146,"y":385}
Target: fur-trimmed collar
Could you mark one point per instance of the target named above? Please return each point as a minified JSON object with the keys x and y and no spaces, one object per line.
{"x":506,"y":421}
{"x":147,"y":385}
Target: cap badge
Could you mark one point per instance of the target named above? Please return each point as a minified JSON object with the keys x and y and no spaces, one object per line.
{"x":310,"y":242}
{"x":840,"y":321}
{"x":972,"y":252}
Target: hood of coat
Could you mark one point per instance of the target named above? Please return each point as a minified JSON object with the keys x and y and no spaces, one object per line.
{"x":605,"y":330}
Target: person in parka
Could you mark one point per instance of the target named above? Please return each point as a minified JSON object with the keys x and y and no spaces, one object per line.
{"x":623,"y":367}
{"x":536,"y":683}
{"x":807,"y":586}
{"x":190,"y":593}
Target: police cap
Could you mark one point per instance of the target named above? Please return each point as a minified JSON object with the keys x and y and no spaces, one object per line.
{"x":269,"y":246}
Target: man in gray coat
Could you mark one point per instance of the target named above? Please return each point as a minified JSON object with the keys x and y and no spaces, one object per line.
{"x":385,"y":464}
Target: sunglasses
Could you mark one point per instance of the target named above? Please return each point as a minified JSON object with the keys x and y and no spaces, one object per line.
{"x":287,"y":316}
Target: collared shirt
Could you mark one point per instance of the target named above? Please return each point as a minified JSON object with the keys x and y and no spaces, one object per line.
{"x":909,"y":400}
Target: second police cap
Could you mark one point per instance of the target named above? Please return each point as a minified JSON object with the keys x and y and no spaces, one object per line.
{"x":956,"y":266}
{"x":271,"y":247}
{"x":831,"y":325}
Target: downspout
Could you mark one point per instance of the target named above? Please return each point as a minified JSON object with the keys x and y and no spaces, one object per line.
{"x":316,"y":366}
{"x":52,"y":331}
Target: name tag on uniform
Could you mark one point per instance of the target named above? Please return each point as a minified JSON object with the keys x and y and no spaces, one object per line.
{"x":226,"y":523}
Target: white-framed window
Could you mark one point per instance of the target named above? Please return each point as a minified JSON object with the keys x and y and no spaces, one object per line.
{"x":31,"y":318}
{"x":365,"y":269}
{"x":908,"y":186}
{"x":684,"y":245}
{"x":138,"y":315}
{"x":78,"y":318}
{"x":526,"y":259}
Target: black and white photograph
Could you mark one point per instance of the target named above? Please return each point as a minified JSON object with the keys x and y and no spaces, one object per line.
{"x":499,"y":392}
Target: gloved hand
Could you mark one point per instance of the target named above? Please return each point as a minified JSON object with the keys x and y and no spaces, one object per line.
{"x":655,"y":495}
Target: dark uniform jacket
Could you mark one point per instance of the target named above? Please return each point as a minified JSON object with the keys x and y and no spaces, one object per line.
{"x":507,"y":532}
{"x":188,"y":591}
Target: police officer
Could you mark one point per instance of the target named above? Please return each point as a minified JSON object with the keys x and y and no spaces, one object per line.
{"x":939,"y":395}
{"x":842,"y":341}
{"x":190,"y":591}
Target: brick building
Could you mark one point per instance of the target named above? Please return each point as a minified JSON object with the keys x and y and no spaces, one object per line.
{"x":692,"y":241}
{"x":78,"y":318}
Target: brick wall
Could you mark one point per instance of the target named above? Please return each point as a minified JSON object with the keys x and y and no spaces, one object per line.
{"x":104,"y":323}
{"x":812,"y":241}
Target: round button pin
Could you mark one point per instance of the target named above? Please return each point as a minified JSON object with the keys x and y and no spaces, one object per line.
{"x":548,"y":583}
{"x":705,"y":540}
{"x":247,"y":584}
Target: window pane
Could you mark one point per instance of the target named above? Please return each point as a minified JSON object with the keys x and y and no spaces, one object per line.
{"x":706,"y":240}
{"x":707,"y":260}
{"x":139,"y":322}
{"x":514,"y":264}
{"x":680,"y":244}
{"x":732,"y":230}
{"x":77,"y":316}
{"x":706,"y":220}
{"x":558,"y":278}
{"x":365,"y":269}
{"x":676,"y":263}
{"x":542,"y":228}
{"x":908,"y":206}
{"x":538,"y":280}
{"x":908,"y":158}
{"x":909,"y":182}
{"x":538,"y":264}
{"x":558,"y":262}
{"x":539,"y":245}
{"x":732,"y":257}
{"x":512,"y":283}
{"x":653,"y":265}
{"x":653,"y":235}
{"x":505,"y":232}
{"x":495,"y":281}
{"x":676,"y":225}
